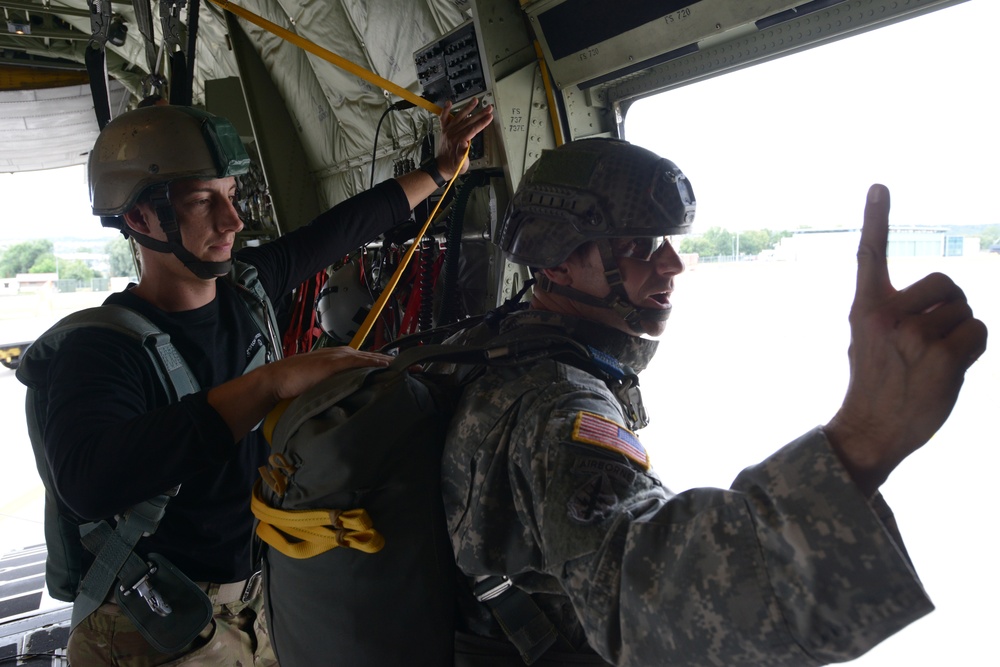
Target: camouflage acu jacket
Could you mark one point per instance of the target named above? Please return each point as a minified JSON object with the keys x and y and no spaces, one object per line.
{"x":543,"y":482}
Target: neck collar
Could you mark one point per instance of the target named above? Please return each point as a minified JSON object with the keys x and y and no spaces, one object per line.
{"x":633,"y":352}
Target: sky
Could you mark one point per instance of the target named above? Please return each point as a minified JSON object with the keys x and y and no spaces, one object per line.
{"x":755,"y":354}
{"x":797,"y":141}
{"x":50,"y":204}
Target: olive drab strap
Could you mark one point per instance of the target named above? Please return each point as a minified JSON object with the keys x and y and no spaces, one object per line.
{"x":244,"y":276}
{"x":170,"y":367}
{"x":113,"y":548}
{"x":115,"y":559}
{"x":192,"y":39}
{"x":170,"y":26}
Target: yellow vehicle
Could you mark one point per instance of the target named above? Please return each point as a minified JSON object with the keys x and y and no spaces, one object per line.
{"x":10,"y":354}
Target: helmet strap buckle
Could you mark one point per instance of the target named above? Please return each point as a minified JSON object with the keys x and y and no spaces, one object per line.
{"x":159,"y":198}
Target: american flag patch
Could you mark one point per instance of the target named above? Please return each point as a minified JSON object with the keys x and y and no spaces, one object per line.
{"x":597,"y":430}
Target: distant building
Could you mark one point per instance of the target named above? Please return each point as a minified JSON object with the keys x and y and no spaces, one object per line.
{"x":36,"y":282}
{"x":813,"y":244}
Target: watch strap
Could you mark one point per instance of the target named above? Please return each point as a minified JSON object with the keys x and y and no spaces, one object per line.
{"x":431,"y":169}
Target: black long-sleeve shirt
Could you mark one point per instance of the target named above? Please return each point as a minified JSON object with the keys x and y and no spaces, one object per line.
{"x":112,"y":438}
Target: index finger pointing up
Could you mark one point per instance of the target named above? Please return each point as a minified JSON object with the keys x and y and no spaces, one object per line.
{"x":873,"y":272}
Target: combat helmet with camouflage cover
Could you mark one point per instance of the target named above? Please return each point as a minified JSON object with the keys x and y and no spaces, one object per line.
{"x":596,"y":190}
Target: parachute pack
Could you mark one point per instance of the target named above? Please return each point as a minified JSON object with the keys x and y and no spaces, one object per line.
{"x":167,"y":607}
{"x":358,"y":567}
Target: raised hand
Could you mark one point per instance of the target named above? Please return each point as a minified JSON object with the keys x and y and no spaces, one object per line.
{"x":909,"y":352}
{"x":457,"y":130}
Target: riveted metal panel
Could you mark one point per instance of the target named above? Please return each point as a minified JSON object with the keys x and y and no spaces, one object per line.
{"x":585,"y":39}
{"x":742,"y":50}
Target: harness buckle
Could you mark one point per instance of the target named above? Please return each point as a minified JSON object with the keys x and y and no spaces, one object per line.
{"x":252,"y":586}
{"x":493,"y":591}
{"x":149,"y":594}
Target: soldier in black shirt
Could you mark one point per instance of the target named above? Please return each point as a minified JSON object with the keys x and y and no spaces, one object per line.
{"x":113,"y":438}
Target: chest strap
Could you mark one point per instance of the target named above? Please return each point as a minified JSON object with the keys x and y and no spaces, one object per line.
{"x":525,"y":624}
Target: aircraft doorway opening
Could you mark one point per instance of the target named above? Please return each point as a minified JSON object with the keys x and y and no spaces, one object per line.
{"x":780,"y":157}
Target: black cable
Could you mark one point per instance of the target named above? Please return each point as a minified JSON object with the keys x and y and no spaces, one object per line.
{"x":397,"y":106}
{"x":378,"y":127}
{"x":192,"y":37}
{"x":453,"y":247}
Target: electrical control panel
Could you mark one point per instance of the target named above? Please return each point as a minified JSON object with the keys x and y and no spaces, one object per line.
{"x":450,"y":68}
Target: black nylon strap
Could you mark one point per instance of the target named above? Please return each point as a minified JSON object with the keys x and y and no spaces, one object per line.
{"x":431,"y":169}
{"x":98,"y":74}
{"x":526,"y":626}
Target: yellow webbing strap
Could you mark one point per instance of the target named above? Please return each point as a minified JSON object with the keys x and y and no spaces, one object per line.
{"x":376,"y":310}
{"x":271,"y":420}
{"x":328,"y":56}
{"x":549,"y":95}
{"x":317,"y":531}
{"x":313,"y":527}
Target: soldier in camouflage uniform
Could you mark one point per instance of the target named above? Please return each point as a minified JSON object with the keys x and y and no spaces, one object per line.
{"x":547,"y":487}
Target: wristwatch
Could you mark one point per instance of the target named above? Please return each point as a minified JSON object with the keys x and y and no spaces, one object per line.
{"x":431,"y":169}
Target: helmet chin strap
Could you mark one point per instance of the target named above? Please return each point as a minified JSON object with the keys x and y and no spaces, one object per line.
{"x":617,"y":300}
{"x":160,"y":200}
{"x":204,"y":270}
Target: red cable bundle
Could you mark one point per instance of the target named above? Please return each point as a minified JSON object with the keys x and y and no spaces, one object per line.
{"x":303,"y":332}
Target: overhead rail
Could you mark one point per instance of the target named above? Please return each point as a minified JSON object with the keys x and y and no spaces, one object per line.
{"x":44,"y":9}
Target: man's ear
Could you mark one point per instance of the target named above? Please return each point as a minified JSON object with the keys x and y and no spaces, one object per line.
{"x":136,"y":219}
{"x":559,"y":275}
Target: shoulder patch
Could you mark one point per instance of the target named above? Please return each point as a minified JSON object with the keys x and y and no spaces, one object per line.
{"x":593,"y":429}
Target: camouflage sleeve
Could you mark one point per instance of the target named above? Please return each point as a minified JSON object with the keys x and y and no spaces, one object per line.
{"x":792,"y":566}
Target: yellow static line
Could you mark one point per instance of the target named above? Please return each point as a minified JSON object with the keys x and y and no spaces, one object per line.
{"x":327,"y":55}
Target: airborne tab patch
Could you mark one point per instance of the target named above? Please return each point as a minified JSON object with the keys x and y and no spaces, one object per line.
{"x":594,"y":429}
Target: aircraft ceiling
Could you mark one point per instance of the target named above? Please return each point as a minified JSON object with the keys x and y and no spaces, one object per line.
{"x":325,"y":119}
{"x":333,"y":110}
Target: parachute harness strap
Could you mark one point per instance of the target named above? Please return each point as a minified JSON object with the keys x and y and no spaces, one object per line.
{"x":306,"y":533}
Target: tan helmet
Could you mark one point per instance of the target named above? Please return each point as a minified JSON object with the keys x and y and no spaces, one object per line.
{"x":158,"y":144}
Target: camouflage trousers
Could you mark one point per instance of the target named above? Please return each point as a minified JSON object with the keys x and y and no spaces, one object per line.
{"x":237,"y":636}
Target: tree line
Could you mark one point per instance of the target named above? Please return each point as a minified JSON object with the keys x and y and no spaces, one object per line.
{"x":38,"y":256}
{"x":718,"y":241}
